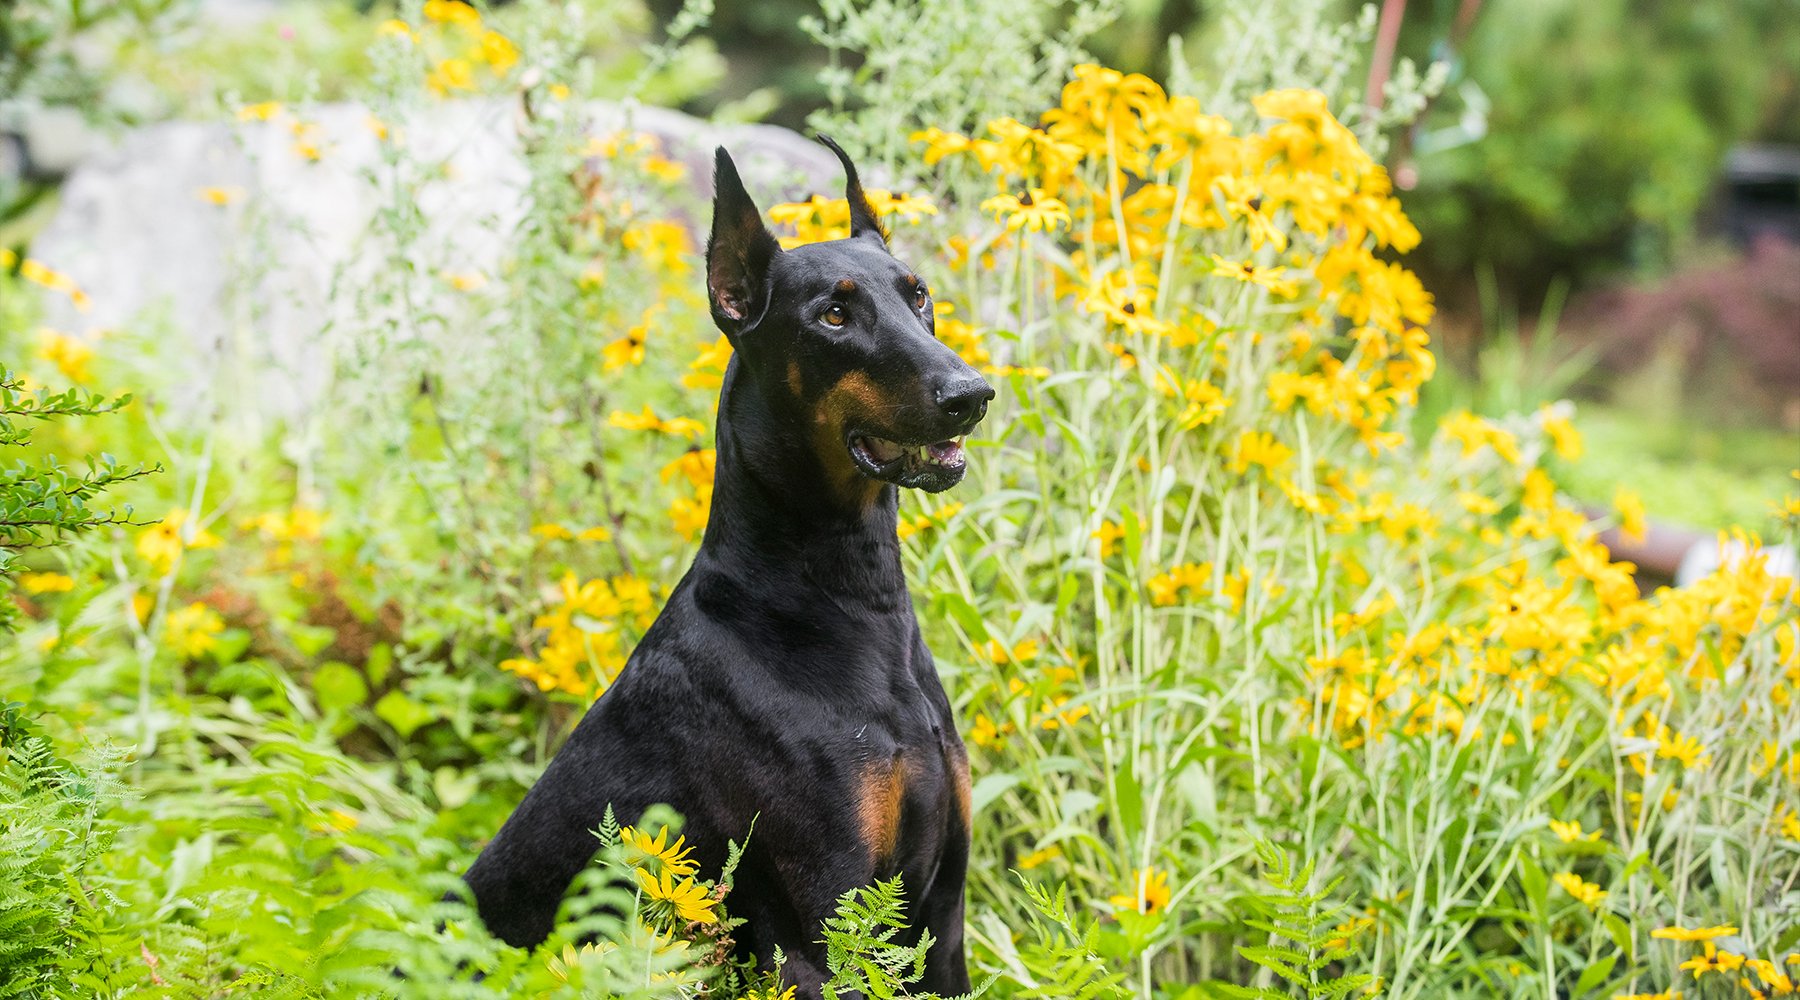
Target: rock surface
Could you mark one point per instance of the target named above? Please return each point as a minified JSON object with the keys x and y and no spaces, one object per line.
{"x":136,"y":229}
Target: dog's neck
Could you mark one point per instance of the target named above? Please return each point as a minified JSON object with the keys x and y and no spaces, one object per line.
{"x":774,"y":512}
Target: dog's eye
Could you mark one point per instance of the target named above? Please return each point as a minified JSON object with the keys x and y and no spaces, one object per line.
{"x":835,"y":316}
{"x":920,"y":296}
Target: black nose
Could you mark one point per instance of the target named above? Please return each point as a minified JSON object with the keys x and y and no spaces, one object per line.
{"x":965,"y":402}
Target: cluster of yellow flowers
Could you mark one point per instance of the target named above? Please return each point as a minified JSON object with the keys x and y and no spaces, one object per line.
{"x":459,"y":31}
{"x":586,"y":647}
{"x":666,"y":873}
{"x":162,"y":543}
{"x":1127,"y":169}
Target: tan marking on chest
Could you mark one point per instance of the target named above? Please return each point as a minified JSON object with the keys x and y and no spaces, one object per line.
{"x":878,"y":807}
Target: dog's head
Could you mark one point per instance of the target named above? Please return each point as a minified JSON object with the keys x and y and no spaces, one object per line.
{"x":841,"y":336}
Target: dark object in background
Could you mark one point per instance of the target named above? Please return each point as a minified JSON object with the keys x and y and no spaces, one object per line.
{"x":1760,"y":194}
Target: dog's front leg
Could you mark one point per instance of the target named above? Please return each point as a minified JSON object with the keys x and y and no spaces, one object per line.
{"x":941,"y":913}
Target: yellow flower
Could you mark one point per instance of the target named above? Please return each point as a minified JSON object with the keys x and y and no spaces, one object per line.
{"x":1565,"y":440}
{"x":46,"y":583}
{"x":1271,"y":278}
{"x":451,"y":75}
{"x":1630,"y":507}
{"x":1588,"y":893}
{"x":628,"y":351}
{"x":42,"y":275}
{"x":695,"y":466}
{"x":1032,"y":212}
{"x":707,"y":370}
{"x":649,"y":421}
{"x":688,"y":515}
{"x":689,"y":898}
{"x":552,"y":532}
{"x":1259,"y":448}
{"x":1712,"y":960}
{"x":624,"y":352}
{"x":905,"y":207}
{"x":465,"y":281}
{"x":69,"y":354}
{"x":1150,"y":893}
{"x":192,"y":631}
{"x":260,"y":112}
{"x":1664,"y":995}
{"x":660,"y":242}
{"x":1004,"y":371}
{"x":161,"y":543}
{"x":1203,"y":402}
{"x":1570,"y":832}
{"x":394,"y":28}
{"x":673,"y":858}
{"x":1693,"y":933}
{"x":219,"y":195}
{"x":1108,"y":534}
{"x":454,"y":13}
{"x":498,"y":52}
{"x":1189,"y":579}
{"x":1036,"y":858}
{"x":997,"y":652}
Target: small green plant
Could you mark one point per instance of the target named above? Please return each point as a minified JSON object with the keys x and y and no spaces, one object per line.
{"x":45,"y":499}
{"x":860,"y":949}
{"x":52,"y":831}
{"x":1306,"y":941}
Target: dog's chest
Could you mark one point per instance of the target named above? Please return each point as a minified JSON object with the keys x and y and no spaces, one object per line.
{"x":909,"y":796}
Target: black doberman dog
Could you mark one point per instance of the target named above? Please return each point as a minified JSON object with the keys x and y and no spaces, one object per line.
{"x":786,"y":680}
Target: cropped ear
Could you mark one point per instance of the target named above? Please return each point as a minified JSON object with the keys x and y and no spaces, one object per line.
{"x":863,"y":220}
{"x":738,"y":252}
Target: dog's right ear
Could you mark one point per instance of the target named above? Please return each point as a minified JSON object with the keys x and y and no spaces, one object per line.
{"x":738,"y":252}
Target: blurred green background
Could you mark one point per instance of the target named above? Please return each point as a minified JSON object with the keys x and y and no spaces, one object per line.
{"x":1609,"y":190}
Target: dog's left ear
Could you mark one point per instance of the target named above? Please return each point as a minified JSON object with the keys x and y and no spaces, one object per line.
{"x":863,"y":220}
{"x":738,"y":253}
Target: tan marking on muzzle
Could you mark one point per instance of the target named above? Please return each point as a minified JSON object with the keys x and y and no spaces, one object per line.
{"x":854,"y":399}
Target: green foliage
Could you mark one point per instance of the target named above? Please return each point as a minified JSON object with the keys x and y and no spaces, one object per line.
{"x":46,"y":499}
{"x":860,"y":951}
{"x":41,"y":42}
{"x":913,"y":63}
{"x":1305,"y":945}
{"x":53,"y":831}
{"x":1605,"y":123}
{"x":1057,"y":960}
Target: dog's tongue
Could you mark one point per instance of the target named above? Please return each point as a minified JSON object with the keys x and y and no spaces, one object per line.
{"x":882,"y":450}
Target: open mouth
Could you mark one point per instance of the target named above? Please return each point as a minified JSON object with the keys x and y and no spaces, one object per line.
{"x":931,"y":467}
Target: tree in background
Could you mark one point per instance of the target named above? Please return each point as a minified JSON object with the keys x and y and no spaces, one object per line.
{"x":1583,"y":137}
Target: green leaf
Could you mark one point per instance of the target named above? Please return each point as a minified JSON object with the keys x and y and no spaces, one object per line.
{"x":454,"y":788}
{"x":339,"y":686}
{"x":402,"y":712}
{"x":991,"y":787}
{"x":1595,"y":974}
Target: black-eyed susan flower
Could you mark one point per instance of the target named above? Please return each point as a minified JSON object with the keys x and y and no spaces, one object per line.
{"x":690,"y":900}
{"x":1034,"y":211}
{"x":1587,"y":893}
{"x":649,"y":421}
{"x":192,"y":630}
{"x":1149,"y":892}
{"x":1710,"y":960}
